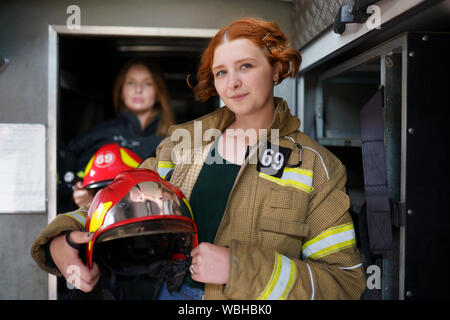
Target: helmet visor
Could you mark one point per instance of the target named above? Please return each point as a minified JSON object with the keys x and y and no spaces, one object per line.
{"x":148,"y":208}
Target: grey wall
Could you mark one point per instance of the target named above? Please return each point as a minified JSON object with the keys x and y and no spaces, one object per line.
{"x":23,"y":88}
{"x":24,"y":35}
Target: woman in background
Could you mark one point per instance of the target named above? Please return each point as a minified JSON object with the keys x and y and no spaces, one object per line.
{"x":142,"y":104}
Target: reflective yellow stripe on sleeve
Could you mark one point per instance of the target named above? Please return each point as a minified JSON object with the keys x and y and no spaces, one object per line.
{"x":164,"y":167}
{"x":77,"y":215}
{"x":293,"y":177}
{"x":281,"y":281}
{"x":331,"y":240}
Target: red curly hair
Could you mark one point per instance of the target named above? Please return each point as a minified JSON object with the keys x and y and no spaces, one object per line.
{"x":264,"y":35}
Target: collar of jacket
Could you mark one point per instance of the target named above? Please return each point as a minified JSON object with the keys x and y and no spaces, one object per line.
{"x":131,"y":121}
{"x":223,"y":117}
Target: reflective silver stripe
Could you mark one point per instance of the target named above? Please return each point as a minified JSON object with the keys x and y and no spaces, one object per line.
{"x":352,"y":267}
{"x":330,"y":241}
{"x":164,"y":167}
{"x":77,"y":216}
{"x":284,"y":275}
{"x":312,"y":282}
{"x":321,"y":160}
{"x":163,"y":171}
{"x":293,"y":177}
{"x":300,"y":177}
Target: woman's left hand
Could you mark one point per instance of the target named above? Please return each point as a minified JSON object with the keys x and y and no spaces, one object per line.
{"x":210,"y":263}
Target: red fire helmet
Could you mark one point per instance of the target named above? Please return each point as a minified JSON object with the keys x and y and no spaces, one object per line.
{"x":109,"y":160}
{"x":140,"y":218}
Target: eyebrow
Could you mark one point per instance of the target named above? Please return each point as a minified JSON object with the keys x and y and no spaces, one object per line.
{"x":238,"y":61}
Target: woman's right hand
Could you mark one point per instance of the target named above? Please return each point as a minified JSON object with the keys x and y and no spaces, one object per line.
{"x":81,"y":196}
{"x":69,"y":263}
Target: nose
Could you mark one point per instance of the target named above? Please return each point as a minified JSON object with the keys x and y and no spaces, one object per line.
{"x":234,"y":82}
{"x":139,"y":88}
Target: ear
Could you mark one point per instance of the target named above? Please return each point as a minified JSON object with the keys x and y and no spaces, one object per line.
{"x":276,"y":71}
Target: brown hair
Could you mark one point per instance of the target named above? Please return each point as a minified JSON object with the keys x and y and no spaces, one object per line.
{"x":162,"y":104}
{"x":264,"y":35}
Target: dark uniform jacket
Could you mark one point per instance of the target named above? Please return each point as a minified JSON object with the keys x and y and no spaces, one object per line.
{"x":124,"y":130}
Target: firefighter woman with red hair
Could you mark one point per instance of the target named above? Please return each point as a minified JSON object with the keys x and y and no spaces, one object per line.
{"x":271,"y":209}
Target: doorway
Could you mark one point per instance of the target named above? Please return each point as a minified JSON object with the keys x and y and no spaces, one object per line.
{"x":82,"y":68}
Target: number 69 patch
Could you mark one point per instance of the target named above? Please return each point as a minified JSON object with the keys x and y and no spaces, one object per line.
{"x":273,"y":159}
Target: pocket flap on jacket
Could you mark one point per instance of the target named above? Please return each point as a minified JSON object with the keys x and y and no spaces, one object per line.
{"x":291,"y":228}
{"x":280,"y":199}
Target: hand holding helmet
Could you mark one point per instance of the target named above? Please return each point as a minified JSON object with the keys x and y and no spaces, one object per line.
{"x":66,"y":258}
{"x":139,"y":224}
{"x":210,"y":263}
{"x":81,"y":196}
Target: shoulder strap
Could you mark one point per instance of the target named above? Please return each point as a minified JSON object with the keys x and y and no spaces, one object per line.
{"x":375,"y":176}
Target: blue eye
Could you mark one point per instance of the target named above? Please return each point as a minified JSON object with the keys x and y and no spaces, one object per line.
{"x":246,"y":66}
{"x":220,"y":73}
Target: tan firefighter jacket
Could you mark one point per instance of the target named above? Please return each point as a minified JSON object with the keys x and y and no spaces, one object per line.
{"x":290,"y":237}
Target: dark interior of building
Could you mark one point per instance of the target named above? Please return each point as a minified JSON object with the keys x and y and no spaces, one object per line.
{"x":89,"y":64}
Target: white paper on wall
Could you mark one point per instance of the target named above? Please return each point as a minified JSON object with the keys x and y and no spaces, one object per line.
{"x":22,"y":168}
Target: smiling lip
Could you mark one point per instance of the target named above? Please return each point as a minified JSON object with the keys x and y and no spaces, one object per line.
{"x":238,"y":97}
{"x":138,"y":100}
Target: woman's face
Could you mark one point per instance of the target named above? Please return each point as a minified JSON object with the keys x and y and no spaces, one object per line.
{"x":138,"y":91}
{"x":243,"y":76}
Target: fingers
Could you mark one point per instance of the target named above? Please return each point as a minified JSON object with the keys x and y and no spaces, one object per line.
{"x":195,"y":262}
{"x":78,"y":185}
{"x":81,"y":277}
{"x":210,"y":263}
{"x":192,"y":268}
{"x":69,"y":263}
{"x":89,"y":277}
{"x":194,"y":252}
{"x":80,"y":237}
{"x":82,"y":197}
{"x":78,"y":194}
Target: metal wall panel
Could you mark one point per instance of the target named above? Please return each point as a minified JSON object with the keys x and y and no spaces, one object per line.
{"x":427,"y":174}
{"x":20,"y":277}
{"x":414,"y":72}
